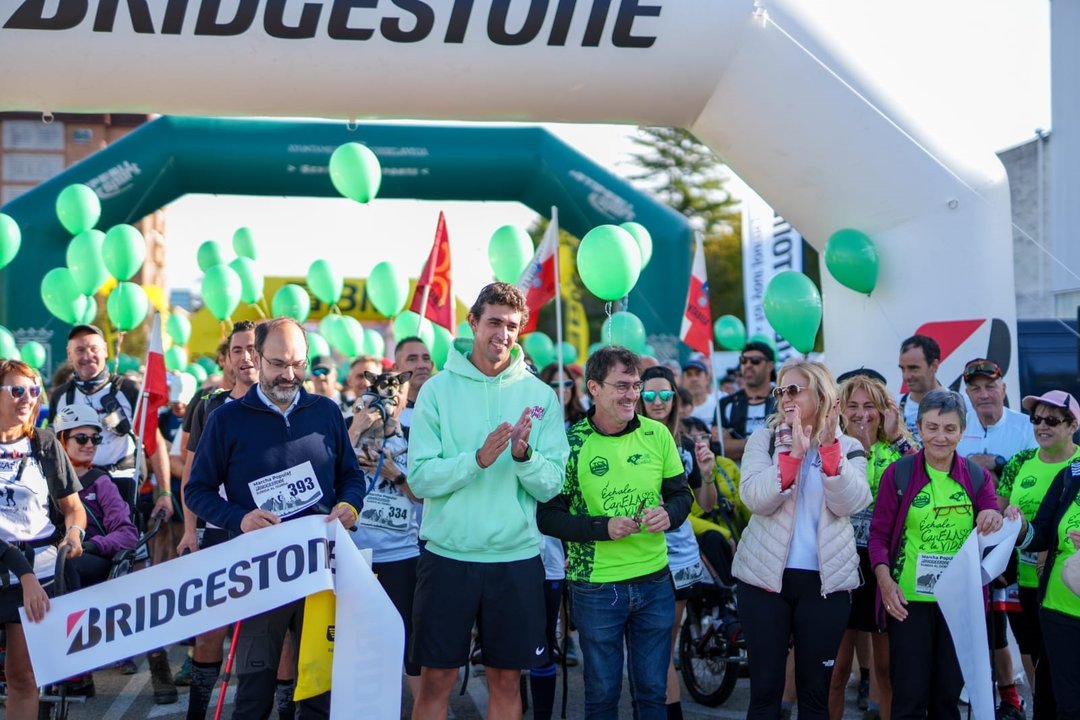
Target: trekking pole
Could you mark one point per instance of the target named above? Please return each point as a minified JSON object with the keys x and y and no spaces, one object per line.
{"x":228,"y":670}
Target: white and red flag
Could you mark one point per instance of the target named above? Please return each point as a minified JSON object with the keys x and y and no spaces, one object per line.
{"x":537,"y":281}
{"x":697,"y":319}
{"x":155,"y":391}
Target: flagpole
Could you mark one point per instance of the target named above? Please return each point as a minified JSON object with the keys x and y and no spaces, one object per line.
{"x":431,"y":274}
{"x":558,"y":297}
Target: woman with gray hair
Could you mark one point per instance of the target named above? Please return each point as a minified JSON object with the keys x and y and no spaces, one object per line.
{"x":926,"y":507}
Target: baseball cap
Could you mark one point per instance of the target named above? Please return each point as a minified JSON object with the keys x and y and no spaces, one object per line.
{"x":762,"y":348}
{"x":83,"y":329}
{"x":322,"y":362}
{"x":182,"y":387}
{"x":1054,"y":398}
{"x":981,"y":366}
{"x":695,"y":365}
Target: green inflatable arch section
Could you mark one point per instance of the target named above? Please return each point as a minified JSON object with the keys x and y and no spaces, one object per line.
{"x":171,"y":156}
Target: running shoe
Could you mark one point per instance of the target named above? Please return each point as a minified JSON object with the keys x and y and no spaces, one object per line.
{"x":183,"y":675}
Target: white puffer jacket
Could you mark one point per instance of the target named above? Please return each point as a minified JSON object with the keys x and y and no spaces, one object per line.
{"x":763,"y":550}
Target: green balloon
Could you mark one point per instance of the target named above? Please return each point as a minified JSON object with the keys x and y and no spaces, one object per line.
{"x":463,"y":329}
{"x":852,"y":259}
{"x":10,"y":239}
{"x":126,"y":364}
{"x":440,"y":349}
{"x":409,"y":323}
{"x":650,"y":351}
{"x":178,"y":328}
{"x":387,"y":289}
{"x":90,"y":310}
{"x":198,"y":373}
{"x":85,"y":261}
{"x":330,"y":327}
{"x":325,"y":282}
{"x":291,"y":301}
{"x":221,"y":289}
{"x":643,"y":239}
{"x":793,"y":308}
{"x":625,"y":329}
{"x":350,"y":336}
{"x":569,"y":352}
{"x":78,"y":208}
{"x":176,"y":359}
{"x":243,"y":243}
{"x":33,"y":354}
{"x":730,"y":332}
{"x":374,"y":343}
{"x":209,"y":255}
{"x":61,"y":295}
{"x":208,"y":364}
{"x":509,"y":252}
{"x":771,"y":342}
{"x":355,"y":172}
{"x":8,"y":349}
{"x":123,"y":251}
{"x":127,"y":306}
{"x":596,"y":346}
{"x":609,"y":262}
{"x":317,"y":345}
{"x":540,"y":348}
{"x":251,"y":280}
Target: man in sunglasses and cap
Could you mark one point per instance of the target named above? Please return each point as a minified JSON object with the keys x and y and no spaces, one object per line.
{"x":324,"y":381}
{"x":744,"y":412}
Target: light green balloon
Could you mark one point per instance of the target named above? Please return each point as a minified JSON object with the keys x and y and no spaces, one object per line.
{"x":569,"y":352}
{"x":325,"y":282}
{"x":208,"y":364}
{"x":330,"y":327}
{"x":355,"y":172}
{"x":730,"y":332}
{"x":176,"y":358}
{"x":852,"y":259}
{"x":90,"y":310}
{"x":243,"y":243}
{"x":85,"y":261}
{"x":78,"y":208}
{"x":596,"y":346}
{"x":123,"y":251}
{"x":251,"y":280}
{"x":350,"y":336}
{"x":8,"y":349}
{"x":643,"y":239}
{"x":221,"y":289}
{"x":409,"y":323}
{"x":197,"y":372}
{"x":317,"y":345}
{"x":440,"y":349}
{"x":540,"y":348}
{"x":127,"y":306}
{"x":61,"y":295}
{"x":793,"y":308}
{"x":33,"y":354}
{"x":10,"y":239}
{"x":387,"y":288}
{"x":509,"y":252}
{"x":209,"y":255}
{"x":463,"y":329}
{"x":374,"y":344}
{"x":609,"y":262}
{"x":291,"y":301}
{"x":178,"y":328}
{"x":127,"y":363}
{"x":625,"y":329}
{"x":771,"y":342}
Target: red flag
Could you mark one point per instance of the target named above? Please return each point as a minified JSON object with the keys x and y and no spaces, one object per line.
{"x":155,"y":391}
{"x":537,"y":281}
{"x":697,"y":320}
{"x":435,"y":279}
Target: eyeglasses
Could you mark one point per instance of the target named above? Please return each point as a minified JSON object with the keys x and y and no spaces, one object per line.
{"x":946,"y":509}
{"x":299,"y":366}
{"x":751,"y":360}
{"x":320,"y":372}
{"x":790,"y":390}
{"x":564,"y":384}
{"x":1037,"y":420}
{"x":651,"y":395}
{"x":624,"y":387}
{"x":83,"y":438}
{"x":18,"y":391}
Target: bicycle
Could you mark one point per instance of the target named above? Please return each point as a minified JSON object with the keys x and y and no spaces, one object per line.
{"x":712,"y":650}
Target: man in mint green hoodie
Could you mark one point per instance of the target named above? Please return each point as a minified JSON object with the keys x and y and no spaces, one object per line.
{"x":487,"y":444}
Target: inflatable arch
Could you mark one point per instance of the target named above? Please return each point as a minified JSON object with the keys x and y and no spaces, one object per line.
{"x":755,"y":79}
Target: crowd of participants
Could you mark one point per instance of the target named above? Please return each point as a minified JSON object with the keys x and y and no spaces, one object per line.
{"x":510,"y":509}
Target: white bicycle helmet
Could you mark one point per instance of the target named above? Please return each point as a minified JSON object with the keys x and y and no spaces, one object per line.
{"x":75,"y":416}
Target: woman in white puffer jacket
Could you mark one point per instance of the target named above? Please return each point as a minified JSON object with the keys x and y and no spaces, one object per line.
{"x":797,"y":562}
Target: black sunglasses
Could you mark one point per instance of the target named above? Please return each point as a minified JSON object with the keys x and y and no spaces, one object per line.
{"x":751,"y":359}
{"x":789,"y":390}
{"x":555,"y":384}
{"x":83,"y":438}
{"x":1050,"y":421}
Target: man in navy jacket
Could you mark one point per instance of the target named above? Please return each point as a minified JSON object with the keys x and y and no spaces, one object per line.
{"x":280,"y":453}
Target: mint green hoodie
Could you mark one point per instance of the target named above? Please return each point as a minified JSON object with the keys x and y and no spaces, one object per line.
{"x":474,"y":514}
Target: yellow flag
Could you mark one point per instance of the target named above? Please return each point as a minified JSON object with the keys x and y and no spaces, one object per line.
{"x":315,"y":661}
{"x":575,"y":324}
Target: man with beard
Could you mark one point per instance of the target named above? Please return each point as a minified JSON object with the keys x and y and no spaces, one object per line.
{"x":306,"y":434}
{"x":412,"y":354}
{"x":744,"y":412}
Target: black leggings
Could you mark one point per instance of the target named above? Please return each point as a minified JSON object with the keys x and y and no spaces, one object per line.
{"x":1061,"y":638}
{"x":769,"y":621}
{"x":926,"y":676}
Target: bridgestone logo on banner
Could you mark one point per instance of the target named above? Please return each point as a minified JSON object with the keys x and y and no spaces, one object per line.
{"x":217,"y":586}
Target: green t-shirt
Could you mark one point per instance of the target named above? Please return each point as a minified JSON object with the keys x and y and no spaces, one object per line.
{"x":1024,"y":481}
{"x":938,"y":522}
{"x":610,"y":476}
{"x":1058,"y":597}
{"x":882,"y":456}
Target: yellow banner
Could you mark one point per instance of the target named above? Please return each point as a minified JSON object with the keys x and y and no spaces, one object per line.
{"x":575,"y":324}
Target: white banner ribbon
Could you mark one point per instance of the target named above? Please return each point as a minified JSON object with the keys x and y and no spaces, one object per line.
{"x":215,"y":587}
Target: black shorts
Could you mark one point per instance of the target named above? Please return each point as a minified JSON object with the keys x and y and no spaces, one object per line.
{"x":504,"y":599}
{"x":864,"y":598}
{"x":398,"y":580}
{"x":996,"y":622}
{"x":11,"y":599}
{"x":1025,"y":624}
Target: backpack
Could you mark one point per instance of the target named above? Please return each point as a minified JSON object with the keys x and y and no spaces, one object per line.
{"x":905,"y":466}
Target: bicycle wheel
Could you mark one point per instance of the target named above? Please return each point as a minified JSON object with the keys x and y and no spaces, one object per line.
{"x":709,"y":664}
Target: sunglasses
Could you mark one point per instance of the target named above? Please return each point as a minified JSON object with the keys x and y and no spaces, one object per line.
{"x":751,"y":360}
{"x":564,"y":384}
{"x":18,"y":391}
{"x":790,"y":390}
{"x":1037,"y":420}
{"x":651,"y":395}
{"x":320,"y":372}
{"x":981,"y":367}
{"x":83,"y":438}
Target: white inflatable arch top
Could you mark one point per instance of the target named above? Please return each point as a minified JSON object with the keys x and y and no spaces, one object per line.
{"x":751,"y":79}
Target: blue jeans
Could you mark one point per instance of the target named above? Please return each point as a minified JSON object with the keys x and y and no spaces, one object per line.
{"x":640,"y":613}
